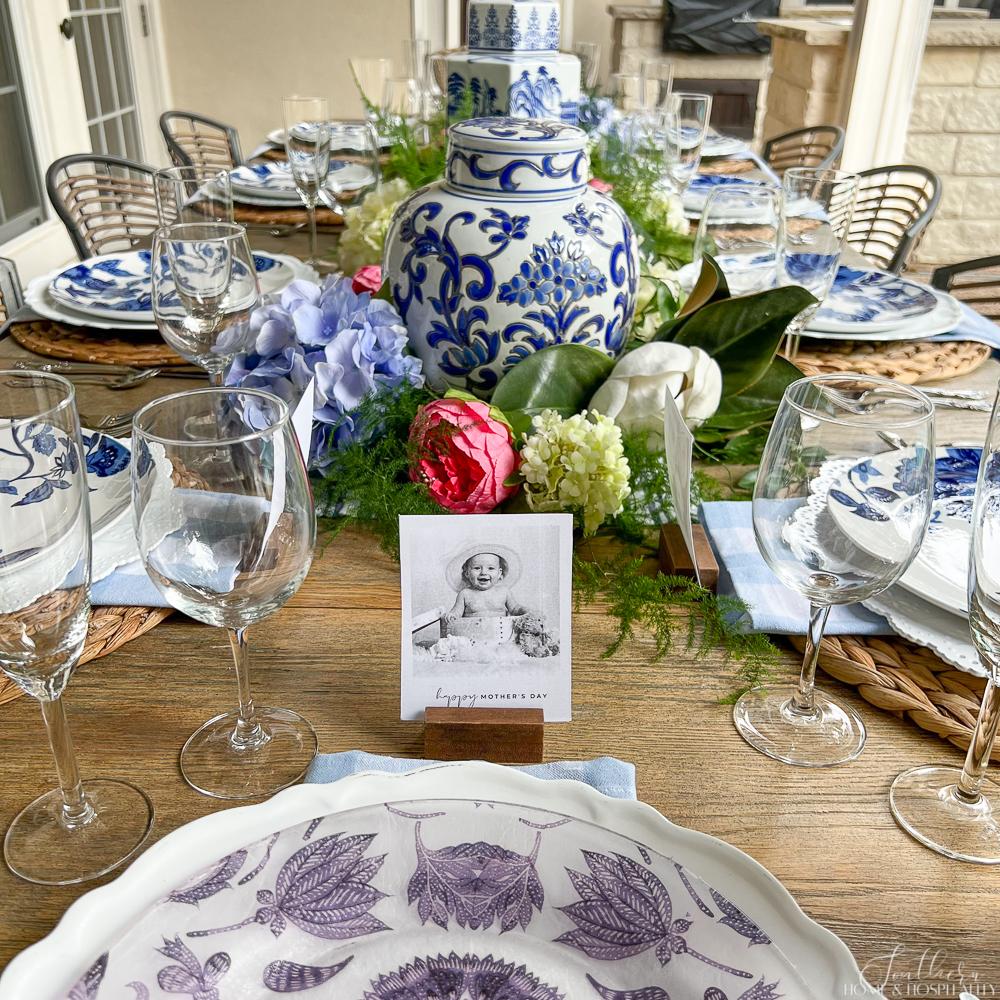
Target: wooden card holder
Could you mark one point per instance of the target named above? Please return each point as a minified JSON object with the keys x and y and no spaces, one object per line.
{"x":500,"y":735}
{"x":675,"y":558}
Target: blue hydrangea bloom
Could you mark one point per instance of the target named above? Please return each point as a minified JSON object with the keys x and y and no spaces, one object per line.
{"x":353,"y":345}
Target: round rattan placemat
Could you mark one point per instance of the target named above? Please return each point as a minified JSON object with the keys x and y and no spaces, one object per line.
{"x":910,"y":362}
{"x":907,"y":680}
{"x":110,"y":628}
{"x":262,"y":216}
{"x":143,"y":349}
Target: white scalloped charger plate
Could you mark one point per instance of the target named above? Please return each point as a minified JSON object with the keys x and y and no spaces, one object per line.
{"x":329,"y":883}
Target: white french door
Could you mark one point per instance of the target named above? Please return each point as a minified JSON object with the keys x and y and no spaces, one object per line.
{"x":76,"y":76}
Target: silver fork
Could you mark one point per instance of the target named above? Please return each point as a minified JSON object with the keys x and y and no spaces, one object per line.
{"x":110,"y":422}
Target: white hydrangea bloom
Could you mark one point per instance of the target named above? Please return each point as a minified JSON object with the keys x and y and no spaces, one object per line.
{"x":365,"y":226}
{"x":647,"y":316}
{"x":576,"y":464}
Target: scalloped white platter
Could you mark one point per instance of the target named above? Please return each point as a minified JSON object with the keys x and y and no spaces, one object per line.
{"x":465,"y":881}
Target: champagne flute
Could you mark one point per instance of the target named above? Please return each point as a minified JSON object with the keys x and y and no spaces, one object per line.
{"x":307,"y":146}
{"x":193,"y":194}
{"x":813,"y":522}
{"x":84,"y":828}
{"x":739,"y":228}
{"x":204,"y":286}
{"x":589,"y":54}
{"x":224,"y":519}
{"x":684,"y":120}
{"x":956,"y":811}
{"x":816,"y":211}
{"x":657,"y":82}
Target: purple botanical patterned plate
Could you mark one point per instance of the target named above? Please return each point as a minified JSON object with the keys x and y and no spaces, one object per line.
{"x":381,"y":888}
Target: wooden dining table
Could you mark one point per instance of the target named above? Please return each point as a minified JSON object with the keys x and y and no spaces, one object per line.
{"x":916,"y":922}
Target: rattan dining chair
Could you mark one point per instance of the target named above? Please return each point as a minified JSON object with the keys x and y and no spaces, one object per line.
{"x":815,"y":146}
{"x":975,"y":282}
{"x":196,"y":141}
{"x":106,"y":203}
{"x":894,"y":207}
{"x":11,"y":298}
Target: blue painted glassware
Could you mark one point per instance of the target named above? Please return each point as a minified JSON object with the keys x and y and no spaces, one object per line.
{"x":82,"y":829}
{"x":510,"y":253}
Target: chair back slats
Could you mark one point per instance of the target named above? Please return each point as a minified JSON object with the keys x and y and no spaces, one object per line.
{"x":816,"y":146}
{"x":11,"y":298}
{"x":106,"y":203}
{"x":894,"y":207}
{"x":974,"y":282}
{"x":196,"y":141}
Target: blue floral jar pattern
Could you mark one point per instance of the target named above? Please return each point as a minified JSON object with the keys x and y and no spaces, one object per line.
{"x":511,"y":252}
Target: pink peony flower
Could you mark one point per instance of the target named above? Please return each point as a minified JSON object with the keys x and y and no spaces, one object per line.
{"x":598,"y":185}
{"x":463,"y":454}
{"x":367,"y":279}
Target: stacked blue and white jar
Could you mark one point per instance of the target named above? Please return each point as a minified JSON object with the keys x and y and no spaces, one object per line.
{"x":510,"y":253}
{"x":513,"y":65}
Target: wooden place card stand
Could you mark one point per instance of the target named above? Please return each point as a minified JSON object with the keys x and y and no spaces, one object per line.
{"x":676,"y":560}
{"x":500,"y":735}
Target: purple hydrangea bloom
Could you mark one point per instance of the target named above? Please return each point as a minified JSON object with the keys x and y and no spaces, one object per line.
{"x":351,"y":344}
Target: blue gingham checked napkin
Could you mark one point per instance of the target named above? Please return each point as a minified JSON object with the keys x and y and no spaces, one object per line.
{"x":743,"y":572}
{"x":609,"y":775}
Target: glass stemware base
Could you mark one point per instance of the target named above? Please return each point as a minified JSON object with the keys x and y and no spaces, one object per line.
{"x":830,"y":734}
{"x":43,"y":848}
{"x":213,"y":762}
{"x":925,"y":802}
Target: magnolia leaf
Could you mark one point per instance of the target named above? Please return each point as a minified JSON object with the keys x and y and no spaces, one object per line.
{"x":561,"y":378}
{"x":711,"y":286}
{"x":742,"y":333}
{"x":758,"y":403}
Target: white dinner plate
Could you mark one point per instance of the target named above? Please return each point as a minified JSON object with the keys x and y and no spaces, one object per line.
{"x":858,"y":502}
{"x":723,"y":145}
{"x":863,"y":300}
{"x":462,"y":880}
{"x":943,"y":318}
{"x":276,"y":137}
{"x":273,"y":181}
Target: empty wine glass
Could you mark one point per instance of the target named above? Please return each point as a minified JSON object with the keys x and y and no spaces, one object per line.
{"x":193,"y":194}
{"x":739,"y":228}
{"x":627,"y":92}
{"x":401,"y":100}
{"x":956,"y":811}
{"x":224,"y":519}
{"x":84,"y":828}
{"x":684,"y":120}
{"x":831,"y":538}
{"x":370,"y":76}
{"x":589,"y":54}
{"x":416,"y":52}
{"x":307,"y":146}
{"x":354,"y":163}
{"x":657,"y":82}
{"x":816,"y":211}
{"x":204,"y":288}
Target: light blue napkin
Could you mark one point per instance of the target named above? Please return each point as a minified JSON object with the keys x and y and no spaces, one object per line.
{"x":743,"y":572}
{"x":973,"y":326}
{"x":613,"y":777}
{"x":129,"y":586}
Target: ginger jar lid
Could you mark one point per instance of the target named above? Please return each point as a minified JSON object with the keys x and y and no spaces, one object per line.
{"x":517,"y":157}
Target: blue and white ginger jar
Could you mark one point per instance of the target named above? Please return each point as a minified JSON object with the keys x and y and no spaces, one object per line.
{"x":511,"y":252}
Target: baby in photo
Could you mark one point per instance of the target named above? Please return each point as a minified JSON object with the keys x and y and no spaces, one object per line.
{"x":484,"y":592}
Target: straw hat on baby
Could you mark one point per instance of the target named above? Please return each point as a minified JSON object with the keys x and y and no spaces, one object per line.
{"x":453,"y":571}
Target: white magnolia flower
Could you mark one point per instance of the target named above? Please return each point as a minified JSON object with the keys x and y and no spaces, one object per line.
{"x":633,"y":395}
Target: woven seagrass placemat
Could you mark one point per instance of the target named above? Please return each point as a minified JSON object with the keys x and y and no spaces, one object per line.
{"x":910,"y":362}
{"x":110,"y":628}
{"x":261,"y":215}
{"x":907,"y":680}
{"x":141,"y":349}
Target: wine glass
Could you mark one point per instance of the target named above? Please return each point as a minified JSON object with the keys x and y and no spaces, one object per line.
{"x":657,"y":82}
{"x":739,"y":228}
{"x":370,"y":76}
{"x":354,"y":162}
{"x":84,"y":828}
{"x":956,"y":811}
{"x":627,"y":92}
{"x":204,"y":288}
{"x":401,"y":100}
{"x":193,"y":194}
{"x":589,"y":54}
{"x":224,"y":519}
{"x":307,"y":146}
{"x":684,"y":120}
{"x":816,"y":211}
{"x":831,"y":539}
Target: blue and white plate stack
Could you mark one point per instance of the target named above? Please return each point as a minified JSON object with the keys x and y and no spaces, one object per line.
{"x":271,"y":184}
{"x":113,"y":291}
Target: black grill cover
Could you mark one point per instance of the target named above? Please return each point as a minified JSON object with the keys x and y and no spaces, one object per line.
{"x":709,"y":26}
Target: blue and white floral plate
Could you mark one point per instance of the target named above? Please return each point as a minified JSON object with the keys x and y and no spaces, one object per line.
{"x":860,"y":501}
{"x":943,"y":318}
{"x":272,"y":182}
{"x":117,"y":286}
{"x":458,"y":880}
{"x":864,"y":300}
{"x":723,"y":145}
